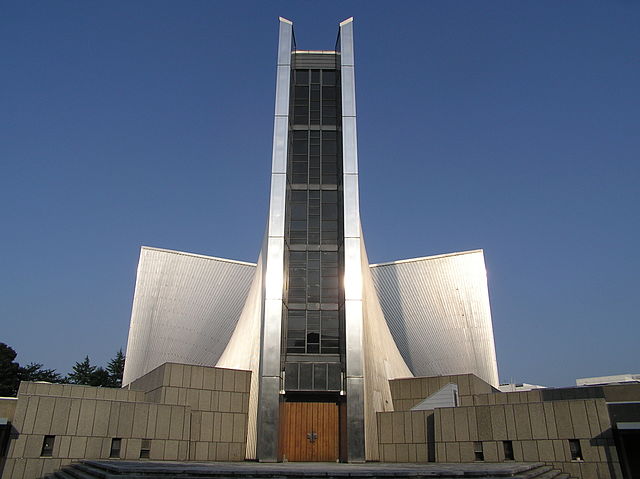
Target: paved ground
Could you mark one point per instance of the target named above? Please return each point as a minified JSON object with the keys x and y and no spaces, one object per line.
{"x":301,"y":469}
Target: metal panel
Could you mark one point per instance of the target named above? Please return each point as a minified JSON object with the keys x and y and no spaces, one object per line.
{"x":352,"y":270}
{"x":355,"y":419}
{"x":348,"y":92}
{"x":185,"y":308}
{"x":353,"y":313}
{"x":314,"y":60}
{"x":438,"y":311}
{"x":271,"y":333}
{"x":346,"y":42}
{"x":279,"y":155}
{"x":275,"y":245}
{"x":352,"y":253}
{"x":268,"y":419}
{"x":282,"y":90}
{"x":350,"y":149}
{"x":271,"y":321}
{"x":284,"y":41}
{"x":351,"y":205}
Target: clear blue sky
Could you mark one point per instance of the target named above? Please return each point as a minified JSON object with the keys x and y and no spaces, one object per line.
{"x":508,"y":126}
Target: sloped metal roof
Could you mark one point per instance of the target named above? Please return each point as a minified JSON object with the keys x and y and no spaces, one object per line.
{"x":438,"y":312}
{"x":185,"y":309}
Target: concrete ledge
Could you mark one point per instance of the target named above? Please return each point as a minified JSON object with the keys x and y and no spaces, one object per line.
{"x":299,"y":469}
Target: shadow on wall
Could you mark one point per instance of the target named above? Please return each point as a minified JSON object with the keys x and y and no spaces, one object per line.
{"x":392,"y":300}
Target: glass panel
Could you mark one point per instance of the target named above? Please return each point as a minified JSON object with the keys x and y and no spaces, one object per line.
{"x":302,"y":77}
{"x":328,"y":77}
{"x":320,"y":376}
{"x":306,"y":380}
{"x":291,"y":376}
{"x":333,"y":379}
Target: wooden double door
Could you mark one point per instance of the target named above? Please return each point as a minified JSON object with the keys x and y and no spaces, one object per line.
{"x":310,"y":431}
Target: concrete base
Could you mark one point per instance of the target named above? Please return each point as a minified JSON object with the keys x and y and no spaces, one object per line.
{"x":138,"y":469}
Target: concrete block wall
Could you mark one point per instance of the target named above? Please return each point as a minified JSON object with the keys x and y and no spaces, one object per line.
{"x":404,"y":436}
{"x":539,"y":431}
{"x":190,"y":413}
{"x":84,"y":428}
{"x":219,"y":399}
{"x":408,"y":392}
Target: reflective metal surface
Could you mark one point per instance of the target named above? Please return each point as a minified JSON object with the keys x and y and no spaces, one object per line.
{"x":279,"y":155}
{"x":352,"y":253}
{"x":355,"y":423}
{"x":185,"y":308}
{"x":351,"y":204}
{"x":271,"y":321}
{"x":350,"y":149}
{"x":268,"y":419}
{"x":353,"y":311}
{"x":439,"y":314}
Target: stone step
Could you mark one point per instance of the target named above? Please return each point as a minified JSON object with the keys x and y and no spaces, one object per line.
{"x":91,"y":469}
{"x":74,"y":472}
{"x":549,"y":474}
{"x":61,"y":474}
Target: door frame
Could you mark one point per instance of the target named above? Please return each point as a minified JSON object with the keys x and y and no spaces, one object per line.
{"x":314,"y":397}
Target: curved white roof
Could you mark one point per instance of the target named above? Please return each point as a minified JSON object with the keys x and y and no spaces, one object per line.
{"x":438,"y":312}
{"x":185,"y":308}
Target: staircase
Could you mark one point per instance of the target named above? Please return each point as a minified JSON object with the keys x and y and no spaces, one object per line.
{"x":193,"y":470}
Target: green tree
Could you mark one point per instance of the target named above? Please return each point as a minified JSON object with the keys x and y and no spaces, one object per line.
{"x":35,"y":372}
{"x":100,"y":377}
{"x":115,"y":368}
{"x":82,"y":372}
{"x":9,"y":380}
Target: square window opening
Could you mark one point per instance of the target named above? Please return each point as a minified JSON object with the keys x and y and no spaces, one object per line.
{"x":478,"y":451}
{"x":47,"y":446}
{"x":576,"y":450}
{"x":145,"y":449}
{"x":508,"y":450}
{"x":116,"y":445}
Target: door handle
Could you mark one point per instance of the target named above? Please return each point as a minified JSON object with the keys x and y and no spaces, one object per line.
{"x":312,"y":436}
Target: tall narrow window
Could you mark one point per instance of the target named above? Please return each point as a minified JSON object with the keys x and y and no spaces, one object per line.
{"x":145,"y":448}
{"x":47,"y":446}
{"x":116,"y":444}
{"x":575,"y":449}
{"x":508,"y":450}
{"x":478,"y":450}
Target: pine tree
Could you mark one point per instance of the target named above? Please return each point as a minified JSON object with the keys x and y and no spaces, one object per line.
{"x":82,"y":373}
{"x":115,"y":369}
{"x":34,"y":372}
{"x":8,"y":371}
{"x":100,"y":377}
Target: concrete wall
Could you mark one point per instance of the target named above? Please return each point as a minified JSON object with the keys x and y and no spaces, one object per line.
{"x":408,"y":392}
{"x":8,"y":407}
{"x":187,"y":413}
{"x":404,"y":436}
{"x":539,"y":429}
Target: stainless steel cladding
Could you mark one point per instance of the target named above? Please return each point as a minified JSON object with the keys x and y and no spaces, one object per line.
{"x":185,"y":308}
{"x":273,"y":281}
{"x":352,"y":252}
{"x":438,"y":311}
